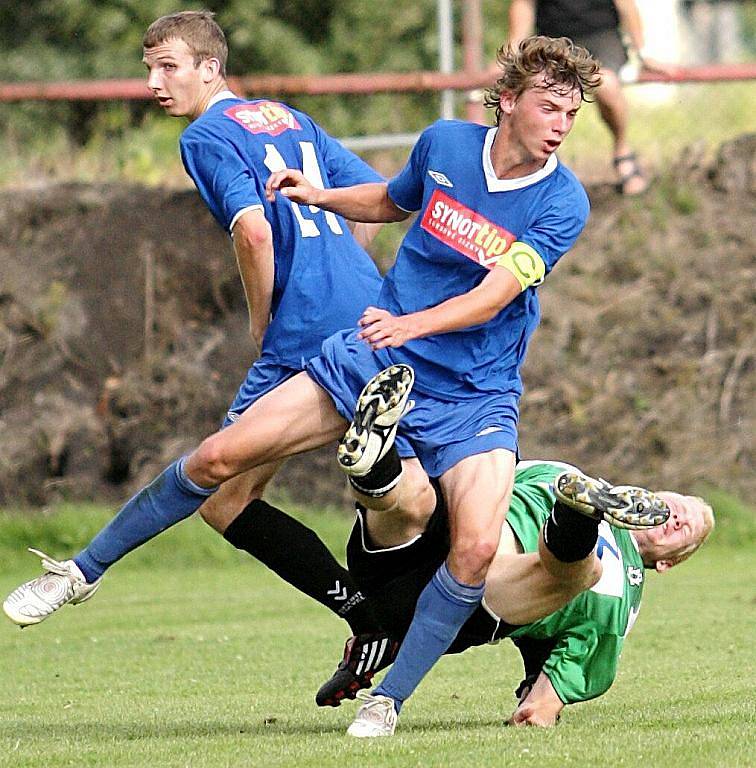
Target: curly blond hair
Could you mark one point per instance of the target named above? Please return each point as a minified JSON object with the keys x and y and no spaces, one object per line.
{"x":566,"y":67}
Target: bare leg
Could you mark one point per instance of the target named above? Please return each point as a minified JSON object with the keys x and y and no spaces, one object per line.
{"x":412,"y":504}
{"x":282,"y":543}
{"x":520,"y":588}
{"x":612,"y":105}
{"x":235,"y":494}
{"x":296,"y":416}
{"x":524,"y":588}
{"x":613,"y":108}
{"x":477,"y":491}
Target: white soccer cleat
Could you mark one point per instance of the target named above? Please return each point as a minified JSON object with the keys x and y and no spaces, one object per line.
{"x":61,"y":583}
{"x":383,"y":401}
{"x":376,"y":717}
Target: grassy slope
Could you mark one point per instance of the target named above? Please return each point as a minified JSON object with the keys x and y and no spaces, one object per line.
{"x":191,"y":655}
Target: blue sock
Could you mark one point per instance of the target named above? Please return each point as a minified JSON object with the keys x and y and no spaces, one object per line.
{"x":168,"y":499}
{"x":442,"y":608}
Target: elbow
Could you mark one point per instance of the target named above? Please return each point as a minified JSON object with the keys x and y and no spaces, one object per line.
{"x":397,"y":214}
{"x":490,"y":311}
{"x":255,"y":238}
{"x":253,"y":232}
{"x":391,"y":212}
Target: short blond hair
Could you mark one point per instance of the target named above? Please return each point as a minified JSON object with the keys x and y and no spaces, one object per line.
{"x":198,"y":29}
{"x":565,"y":66}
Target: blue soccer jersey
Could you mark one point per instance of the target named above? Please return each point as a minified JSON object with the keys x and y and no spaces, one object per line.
{"x":323,"y":278}
{"x":469,"y":221}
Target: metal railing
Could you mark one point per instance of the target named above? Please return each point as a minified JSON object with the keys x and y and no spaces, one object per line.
{"x":319,"y":85}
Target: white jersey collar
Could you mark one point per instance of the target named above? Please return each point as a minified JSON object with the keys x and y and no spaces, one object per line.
{"x":222,"y":96}
{"x":496,"y":184}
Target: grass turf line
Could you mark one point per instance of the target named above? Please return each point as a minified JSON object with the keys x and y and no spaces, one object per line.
{"x":216,"y":664}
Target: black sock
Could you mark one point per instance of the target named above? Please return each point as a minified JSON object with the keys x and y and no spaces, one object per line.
{"x":382,"y":477}
{"x":568,"y":535}
{"x":298,"y":555}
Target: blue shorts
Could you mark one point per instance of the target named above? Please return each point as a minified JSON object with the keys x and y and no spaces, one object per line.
{"x":442,"y":433}
{"x":264,"y":375}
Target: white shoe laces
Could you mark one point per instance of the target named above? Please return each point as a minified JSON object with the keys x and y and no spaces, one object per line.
{"x":58,"y":567}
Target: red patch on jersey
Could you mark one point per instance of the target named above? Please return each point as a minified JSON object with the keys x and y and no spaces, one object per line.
{"x":264,"y":117}
{"x":465,"y":230}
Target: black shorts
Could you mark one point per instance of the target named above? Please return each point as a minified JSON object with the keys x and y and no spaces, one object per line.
{"x":393,"y":579}
{"x":606,"y":46}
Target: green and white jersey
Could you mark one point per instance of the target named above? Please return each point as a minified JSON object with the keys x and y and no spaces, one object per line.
{"x":590,"y":630}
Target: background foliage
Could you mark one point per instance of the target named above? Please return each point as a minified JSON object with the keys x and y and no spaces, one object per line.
{"x":49,"y":40}
{"x":79,"y":39}
{"x":59,"y":39}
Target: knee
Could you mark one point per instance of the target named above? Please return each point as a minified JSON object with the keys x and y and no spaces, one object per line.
{"x":208,"y":465}
{"x":571,"y":582}
{"x":417,"y":503}
{"x":412,"y":518}
{"x":483,"y":550}
{"x":592,"y":573}
{"x":471,"y":557}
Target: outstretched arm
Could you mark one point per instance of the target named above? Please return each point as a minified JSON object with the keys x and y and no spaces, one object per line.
{"x":582,"y":666}
{"x":368,"y":203}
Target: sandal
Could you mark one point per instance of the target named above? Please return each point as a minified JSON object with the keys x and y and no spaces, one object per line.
{"x":634,"y":172}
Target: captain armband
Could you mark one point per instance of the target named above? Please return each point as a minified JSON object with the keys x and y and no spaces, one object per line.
{"x":524,"y":263}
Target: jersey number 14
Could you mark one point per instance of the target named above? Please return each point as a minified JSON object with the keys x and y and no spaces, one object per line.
{"x":311,"y":171}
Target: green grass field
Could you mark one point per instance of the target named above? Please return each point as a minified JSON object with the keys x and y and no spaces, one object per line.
{"x":192,"y":655}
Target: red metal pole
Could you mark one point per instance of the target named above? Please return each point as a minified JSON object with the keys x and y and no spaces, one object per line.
{"x":472,"y":44}
{"x":704,"y":73}
{"x":91,"y":90}
{"x":274,"y":85}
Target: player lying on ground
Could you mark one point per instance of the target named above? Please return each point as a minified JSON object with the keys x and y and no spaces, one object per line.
{"x":571,"y":639}
{"x":541,"y":587}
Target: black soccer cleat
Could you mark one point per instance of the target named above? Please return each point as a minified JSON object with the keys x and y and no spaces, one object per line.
{"x":364,"y":655}
{"x":623,"y":506}
{"x":383,"y":401}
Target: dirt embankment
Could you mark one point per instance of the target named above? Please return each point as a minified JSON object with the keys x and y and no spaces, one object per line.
{"x":123,"y":339}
